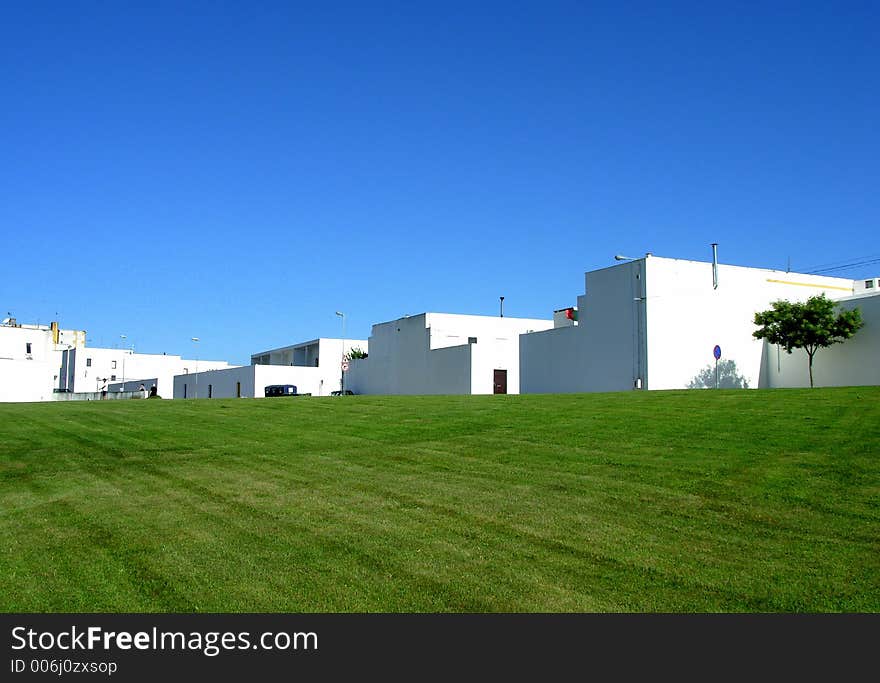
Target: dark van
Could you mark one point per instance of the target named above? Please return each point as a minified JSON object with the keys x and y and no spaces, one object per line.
{"x":281,"y":390}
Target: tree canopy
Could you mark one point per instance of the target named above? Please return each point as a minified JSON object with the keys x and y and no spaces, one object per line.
{"x":355,"y":353}
{"x":810,"y":325}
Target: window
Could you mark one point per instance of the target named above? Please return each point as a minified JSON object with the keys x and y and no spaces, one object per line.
{"x":869,"y":284}
{"x":112,"y":378}
{"x":472,"y":340}
{"x":27,"y":347}
{"x":184,"y":390}
{"x":88,"y":362}
{"x":210,"y":391}
{"x":112,"y":364}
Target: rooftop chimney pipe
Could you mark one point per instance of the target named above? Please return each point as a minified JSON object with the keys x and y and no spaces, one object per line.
{"x":714,"y":265}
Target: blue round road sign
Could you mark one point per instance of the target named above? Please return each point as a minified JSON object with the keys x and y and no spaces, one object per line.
{"x":716,"y":352}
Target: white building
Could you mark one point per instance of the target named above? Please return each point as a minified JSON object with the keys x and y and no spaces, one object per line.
{"x":38,"y":361}
{"x":319,"y":362}
{"x":441,"y":353}
{"x":93,"y":369}
{"x":652,"y":323}
{"x":31,"y":359}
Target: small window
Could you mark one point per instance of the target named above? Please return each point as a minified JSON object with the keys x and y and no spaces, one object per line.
{"x":27,"y":347}
{"x":472,"y":340}
{"x":112,"y":364}
{"x":184,"y":390}
{"x":112,"y":378}
{"x":88,"y":362}
{"x":869,"y":284}
{"x":210,"y":391}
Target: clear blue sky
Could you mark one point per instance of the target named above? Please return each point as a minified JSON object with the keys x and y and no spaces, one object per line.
{"x":240,"y":171}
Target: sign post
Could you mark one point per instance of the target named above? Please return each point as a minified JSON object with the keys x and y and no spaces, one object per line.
{"x":717,"y":353}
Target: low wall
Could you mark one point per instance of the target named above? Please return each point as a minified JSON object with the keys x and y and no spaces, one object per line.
{"x":95,"y":395}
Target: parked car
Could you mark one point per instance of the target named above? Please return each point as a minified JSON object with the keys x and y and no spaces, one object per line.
{"x":347,"y":392}
{"x":281,"y":390}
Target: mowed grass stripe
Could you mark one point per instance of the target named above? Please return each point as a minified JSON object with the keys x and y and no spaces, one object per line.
{"x":672,"y":501}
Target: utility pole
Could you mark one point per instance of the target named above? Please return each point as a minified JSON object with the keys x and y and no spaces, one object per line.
{"x":195,"y":340}
{"x":342,"y":360}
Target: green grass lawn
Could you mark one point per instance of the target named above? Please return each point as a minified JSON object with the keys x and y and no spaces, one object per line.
{"x":668,"y":501}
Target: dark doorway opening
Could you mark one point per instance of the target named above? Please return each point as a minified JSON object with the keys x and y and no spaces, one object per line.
{"x":500,"y":381}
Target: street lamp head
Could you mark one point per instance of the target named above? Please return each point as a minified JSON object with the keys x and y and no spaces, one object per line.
{"x":339,"y":313}
{"x":195,"y":339}
{"x":621,"y":257}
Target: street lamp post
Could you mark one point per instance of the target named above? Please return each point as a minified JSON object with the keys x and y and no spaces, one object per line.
{"x":195,"y":340}
{"x":123,"y":338}
{"x":342,"y":360}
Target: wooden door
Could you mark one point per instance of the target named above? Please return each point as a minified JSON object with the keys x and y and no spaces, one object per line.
{"x":500,"y":381}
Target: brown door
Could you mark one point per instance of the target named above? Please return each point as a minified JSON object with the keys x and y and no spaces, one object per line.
{"x":501,"y":381}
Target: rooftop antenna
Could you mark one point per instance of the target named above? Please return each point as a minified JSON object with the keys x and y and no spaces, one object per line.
{"x":788,"y":269}
{"x":502,"y":306}
{"x":714,"y":265}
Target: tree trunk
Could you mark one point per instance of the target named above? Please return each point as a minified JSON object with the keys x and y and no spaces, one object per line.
{"x":810,"y":356}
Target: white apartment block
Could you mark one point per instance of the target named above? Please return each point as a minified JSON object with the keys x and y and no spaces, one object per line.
{"x":94,"y":369}
{"x":39,"y":361}
{"x":31,"y":359}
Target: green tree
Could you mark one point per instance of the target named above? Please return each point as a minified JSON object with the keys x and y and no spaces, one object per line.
{"x":355,"y":352}
{"x":811,"y":325}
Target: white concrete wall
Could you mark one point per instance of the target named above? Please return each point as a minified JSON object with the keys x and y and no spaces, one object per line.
{"x":254,"y":380}
{"x":687,"y":317}
{"x":397,"y":361}
{"x":133,"y":386}
{"x":307,"y":380}
{"x":855,"y":362}
{"x":552,"y":362}
{"x":604,"y":351}
{"x":223,"y":383}
{"x":26,"y":381}
{"x":430,"y":354}
{"x":447,"y":371}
